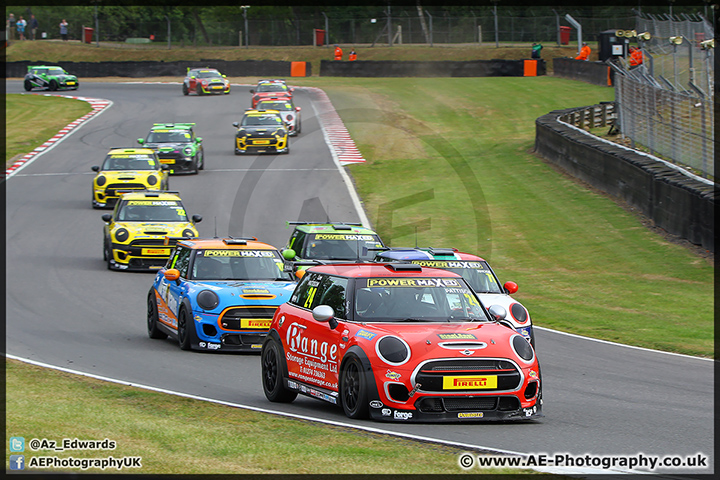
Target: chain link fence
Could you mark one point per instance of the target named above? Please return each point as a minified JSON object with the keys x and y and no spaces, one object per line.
{"x":673,"y":115}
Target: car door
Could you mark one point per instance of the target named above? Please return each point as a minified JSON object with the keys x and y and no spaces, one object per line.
{"x":171,"y":291}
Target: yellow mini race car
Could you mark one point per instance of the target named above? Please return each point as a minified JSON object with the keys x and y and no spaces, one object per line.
{"x":126,"y":169}
{"x":143,"y":229}
{"x":261,"y":131}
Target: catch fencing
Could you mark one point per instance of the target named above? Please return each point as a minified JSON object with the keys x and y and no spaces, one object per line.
{"x":672,"y":116}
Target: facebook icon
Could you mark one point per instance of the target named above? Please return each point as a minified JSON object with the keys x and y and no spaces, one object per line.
{"x":17,"y":462}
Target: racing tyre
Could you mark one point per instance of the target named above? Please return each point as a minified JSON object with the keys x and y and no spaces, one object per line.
{"x":202,"y":161}
{"x":186,"y":328}
{"x":194,"y":166}
{"x":272,"y":380}
{"x":185,"y":90}
{"x":152,"y":317}
{"x":353,"y":389}
{"x":299,"y":128}
{"x":28,"y":85}
{"x":199,"y":91}
{"x":53,"y":85}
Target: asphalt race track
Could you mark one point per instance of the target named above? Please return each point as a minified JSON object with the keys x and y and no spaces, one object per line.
{"x":65,"y":308}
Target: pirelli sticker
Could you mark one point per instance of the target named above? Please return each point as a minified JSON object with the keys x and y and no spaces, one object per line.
{"x":414,"y":282}
{"x":255,"y":323}
{"x":449,"y":264}
{"x":342,"y":236}
{"x":475,"y":382}
{"x":237,"y":253}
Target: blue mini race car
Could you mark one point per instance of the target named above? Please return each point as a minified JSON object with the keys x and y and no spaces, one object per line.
{"x":218,"y":294}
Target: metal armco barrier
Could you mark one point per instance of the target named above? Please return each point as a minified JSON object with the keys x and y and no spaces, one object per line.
{"x":390,"y":68}
{"x":597,"y":73}
{"x":243,"y":68}
{"x":678,"y":203}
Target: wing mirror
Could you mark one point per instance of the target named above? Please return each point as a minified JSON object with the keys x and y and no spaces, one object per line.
{"x":325,"y":314}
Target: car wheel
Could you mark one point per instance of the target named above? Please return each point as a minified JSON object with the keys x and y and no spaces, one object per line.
{"x":53,"y":85}
{"x":108,"y":256}
{"x":272,"y":380}
{"x":353,"y":390}
{"x":94,"y":205}
{"x":28,"y":85}
{"x":185,"y":89}
{"x":152,"y":317}
{"x":202,"y":161}
{"x":299,"y":128}
{"x":194,"y":166}
{"x":199,"y":91}
{"x":185,"y":330}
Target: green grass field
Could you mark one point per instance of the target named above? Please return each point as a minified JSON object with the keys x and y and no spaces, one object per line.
{"x":23,"y":130}
{"x":175,"y":435}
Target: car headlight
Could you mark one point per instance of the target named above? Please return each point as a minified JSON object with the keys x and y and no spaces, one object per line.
{"x":152,"y":180}
{"x":100,"y":181}
{"x":121,"y":235}
{"x":208,"y":300}
{"x":522,"y":348}
{"x":393,"y":350}
{"x":188,"y":233}
{"x":518,"y":312}
{"x":289,"y":118}
{"x":188,"y":151}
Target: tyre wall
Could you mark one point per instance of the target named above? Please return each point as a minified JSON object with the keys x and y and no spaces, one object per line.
{"x":597,"y":73}
{"x":244,"y":68}
{"x":390,"y":68}
{"x":675,"y":202}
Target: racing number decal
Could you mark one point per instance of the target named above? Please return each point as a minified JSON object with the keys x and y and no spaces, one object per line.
{"x":471,"y":300}
{"x":310,"y":297}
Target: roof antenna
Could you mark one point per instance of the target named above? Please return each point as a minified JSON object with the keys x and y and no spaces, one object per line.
{"x":216,"y":227}
{"x":416,"y":244}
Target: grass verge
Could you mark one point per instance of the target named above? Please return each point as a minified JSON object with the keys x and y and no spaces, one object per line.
{"x":23,"y":127}
{"x":175,"y":435}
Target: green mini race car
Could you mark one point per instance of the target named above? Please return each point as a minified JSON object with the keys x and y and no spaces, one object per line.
{"x":49,"y":78}
{"x":176,"y":146}
{"x":322,"y":243}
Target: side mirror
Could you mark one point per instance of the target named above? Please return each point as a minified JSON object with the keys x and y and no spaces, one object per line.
{"x":95,"y":168}
{"x":197,"y":218}
{"x":198,"y":139}
{"x":325,"y":314}
{"x":497,"y":312}
{"x":224,"y":76}
{"x":511,"y":287}
{"x":288,"y":254}
{"x":164,"y":167}
{"x":107,"y":217}
{"x":300,"y":273}
{"x":297,"y":109}
{"x":172,"y":275}
{"x":236,"y":124}
{"x":252,"y":91}
{"x":141,"y":141}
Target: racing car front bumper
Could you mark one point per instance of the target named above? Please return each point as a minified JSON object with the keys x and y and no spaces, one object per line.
{"x":139,"y":258}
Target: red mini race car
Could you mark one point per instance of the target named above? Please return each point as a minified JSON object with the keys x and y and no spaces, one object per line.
{"x":399,"y":342}
{"x":270,"y":89}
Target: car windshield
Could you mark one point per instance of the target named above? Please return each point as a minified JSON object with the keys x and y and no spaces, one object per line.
{"x":274,"y":106}
{"x":151,"y":211}
{"x":56,"y":71}
{"x":271,"y":87}
{"x":261,"y":121}
{"x":207,"y":74}
{"x":169,"y":136}
{"x":345,"y":246}
{"x":476,"y":273}
{"x":393,"y":299}
{"x":239,"y":265}
{"x":130,"y":162}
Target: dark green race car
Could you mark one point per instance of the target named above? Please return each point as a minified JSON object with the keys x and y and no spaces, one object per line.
{"x":176,"y":146}
{"x":49,"y":78}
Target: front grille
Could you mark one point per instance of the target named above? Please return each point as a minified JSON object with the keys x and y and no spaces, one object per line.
{"x":146,"y":262}
{"x":467,"y":404}
{"x":232,"y":319}
{"x":243,"y":339}
{"x":111,"y":189}
{"x":431,"y":374}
